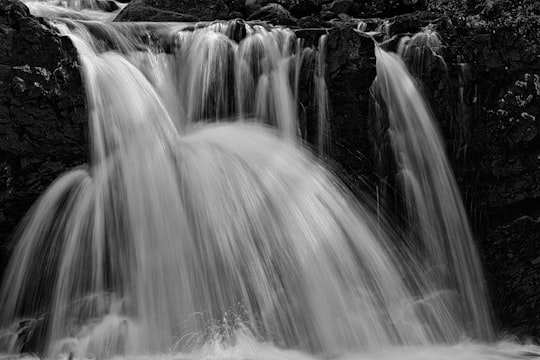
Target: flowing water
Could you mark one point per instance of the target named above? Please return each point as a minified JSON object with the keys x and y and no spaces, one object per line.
{"x":204,"y":227}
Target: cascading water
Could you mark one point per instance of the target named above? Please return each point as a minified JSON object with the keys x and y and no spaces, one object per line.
{"x":222,"y":240}
{"x":433,"y":202}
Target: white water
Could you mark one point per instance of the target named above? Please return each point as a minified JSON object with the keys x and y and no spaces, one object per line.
{"x":222,"y":241}
{"x":434,"y":205}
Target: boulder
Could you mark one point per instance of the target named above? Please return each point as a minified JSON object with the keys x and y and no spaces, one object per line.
{"x":274,"y":14}
{"x":107,"y":5}
{"x":198,"y":9}
{"x":298,"y":8}
{"x":137,"y":10}
{"x":302,"y":8}
{"x":43,"y":121}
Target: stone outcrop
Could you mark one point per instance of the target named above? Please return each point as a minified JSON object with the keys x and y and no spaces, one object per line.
{"x":174,"y":10}
{"x":138,"y":11}
{"x":42,"y":112}
{"x":486,"y":99}
{"x":274,"y":14}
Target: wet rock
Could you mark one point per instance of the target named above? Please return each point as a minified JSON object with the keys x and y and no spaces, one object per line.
{"x":255,"y":5}
{"x":186,"y":9}
{"x":298,"y":8}
{"x":137,"y":10}
{"x":107,"y":5}
{"x":376,"y":8}
{"x":236,"y":15}
{"x":500,"y":173}
{"x":302,"y":8}
{"x":343,"y":7}
{"x":236,"y":6}
{"x":313,"y":22}
{"x":350,"y":71}
{"x":42,"y":113}
{"x":513,"y":268}
{"x":485,"y":97}
{"x":274,"y":14}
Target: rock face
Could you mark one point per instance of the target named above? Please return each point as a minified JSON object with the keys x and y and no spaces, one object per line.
{"x":188,"y":9}
{"x":487,"y":101}
{"x":504,"y":150}
{"x":275,"y":14}
{"x":42,"y":112}
{"x":350,"y":72}
{"x":150,"y":10}
{"x":138,"y":11}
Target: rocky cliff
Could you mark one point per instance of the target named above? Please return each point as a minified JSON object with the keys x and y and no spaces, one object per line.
{"x":42,"y":113}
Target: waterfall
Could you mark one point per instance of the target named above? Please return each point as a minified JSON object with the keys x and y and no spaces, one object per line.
{"x":433,"y":202}
{"x":204,"y":227}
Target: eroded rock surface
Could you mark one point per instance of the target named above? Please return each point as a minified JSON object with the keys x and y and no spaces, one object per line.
{"x":174,"y":10}
{"x":42,"y":112}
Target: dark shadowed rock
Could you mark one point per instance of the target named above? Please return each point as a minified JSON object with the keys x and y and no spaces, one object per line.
{"x":512,"y":258}
{"x":313,"y":22}
{"x":200,"y":9}
{"x":488,"y":108}
{"x":301,"y":8}
{"x":107,"y":5}
{"x":343,"y":7}
{"x":486,"y":98}
{"x":350,"y":71}
{"x":138,"y":11}
{"x":274,"y":14}
{"x":238,"y":6}
{"x":375,"y":8}
{"x":42,"y":112}
{"x":255,"y":5}
{"x":298,"y":8}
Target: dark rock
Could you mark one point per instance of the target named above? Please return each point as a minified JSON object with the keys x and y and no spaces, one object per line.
{"x":486,"y":98}
{"x":302,"y":8}
{"x":237,"y":6}
{"x":350,"y":65}
{"x":138,"y":11}
{"x":107,"y":5}
{"x":512,"y":258}
{"x":255,"y":5}
{"x":185,"y":10}
{"x":274,"y":14}
{"x":494,"y":146}
{"x":383,"y":8}
{"x":536,"y":7}
{"x":298,"y":8}
{"x":236,"y":15}
{"x":342,"y":7}
{"x":327,"y":15}
{"x":313,"y":22}
{"x":42,"y":113}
